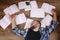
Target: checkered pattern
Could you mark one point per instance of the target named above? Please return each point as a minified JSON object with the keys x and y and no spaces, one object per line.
{"x":45,"y":32}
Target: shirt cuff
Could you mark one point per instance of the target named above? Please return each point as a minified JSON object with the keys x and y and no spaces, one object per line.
{"x":15,"y":28}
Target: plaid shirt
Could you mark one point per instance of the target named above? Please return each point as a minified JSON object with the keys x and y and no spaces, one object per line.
{"x":45,"y":32}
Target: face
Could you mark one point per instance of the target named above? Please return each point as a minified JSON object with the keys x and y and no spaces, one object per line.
{"x":35,"y":24}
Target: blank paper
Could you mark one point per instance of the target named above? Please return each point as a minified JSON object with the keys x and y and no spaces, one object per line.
{"x":38,"y":13}
{"x":28,"y":23}
{"x":46,"y":21}
{"x":11,"y":9}
{"x":48,"y":8}
{"x":21,"y":18}
{"x":14,"y":9}
{"x":33,"y":4}
{"x":7,"y":10}
{"x":28,"y":7}
{"x":22,"y":5}
{"x":5,"y":21}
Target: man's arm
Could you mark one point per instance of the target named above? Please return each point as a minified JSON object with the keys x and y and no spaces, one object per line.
{"x":53,"y":22}
{"x":15,"y":29}
{"x":54,"y":15}
{"x":49,"y":29}
{"x":13,"y":21}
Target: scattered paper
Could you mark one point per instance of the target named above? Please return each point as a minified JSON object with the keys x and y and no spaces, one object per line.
{"x":46,"y":21}
{"x":11,"y":9}
{"x":28,"y":6}
{"x":22,"y":5}
{"x":28,"y":23}
{"x":38,"y":13}
{"x":5,"y":21}
{"x":48,"y":8}
{"x":7,"y":10}
{"x":14,"y":8}
{"x":21,"y":18}
{"x":33,"y":4}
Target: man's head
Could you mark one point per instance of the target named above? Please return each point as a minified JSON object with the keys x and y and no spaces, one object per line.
{"x":35,"y":25}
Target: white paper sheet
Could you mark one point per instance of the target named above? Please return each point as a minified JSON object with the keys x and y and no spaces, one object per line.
{"x":33,"y":4}
{"x":7,"y":10}
{"x":21,"y":18}
{"x":38,"y":13}
{"x":28,"y":7}
{"x":14,"y":9}
{"x":46,"y":21}
{"x":5,"y":21}
{"x":11,"y":9}
{"x":48,"y":8}
{"x":22,"y":5}
{"x":28,"y":23}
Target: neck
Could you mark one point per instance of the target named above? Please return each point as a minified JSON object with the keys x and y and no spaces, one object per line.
{"x":36,"y":29}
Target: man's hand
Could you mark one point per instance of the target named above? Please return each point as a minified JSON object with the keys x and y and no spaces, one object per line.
{"x":54,"y":14}
{"x":12,"y":17}
{"x":54,"y":11}
{"x":34,"y":23}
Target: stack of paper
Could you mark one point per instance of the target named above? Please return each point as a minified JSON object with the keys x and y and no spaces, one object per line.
{"x":28,"y":23}
{"x":5,"y":21}
{"x":46,"y":21}
{"x":21,"y":18}
{"x":11,"y":10}
{"x":38,"y":13}
{"x":33,"y":4}
{"x":48,"y":8}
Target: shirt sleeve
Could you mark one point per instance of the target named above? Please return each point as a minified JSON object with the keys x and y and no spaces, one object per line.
{"x":19,"y":32}
{"x":45,"y":32}
{"x":52,"y":26}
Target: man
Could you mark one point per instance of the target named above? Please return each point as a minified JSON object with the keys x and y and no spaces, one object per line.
{"x":35,"y":32}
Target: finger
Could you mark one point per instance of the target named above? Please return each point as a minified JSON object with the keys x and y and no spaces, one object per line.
{"x":53,"y":10}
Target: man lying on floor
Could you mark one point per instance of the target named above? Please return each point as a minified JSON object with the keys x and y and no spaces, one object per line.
{"x":35,"y":32}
